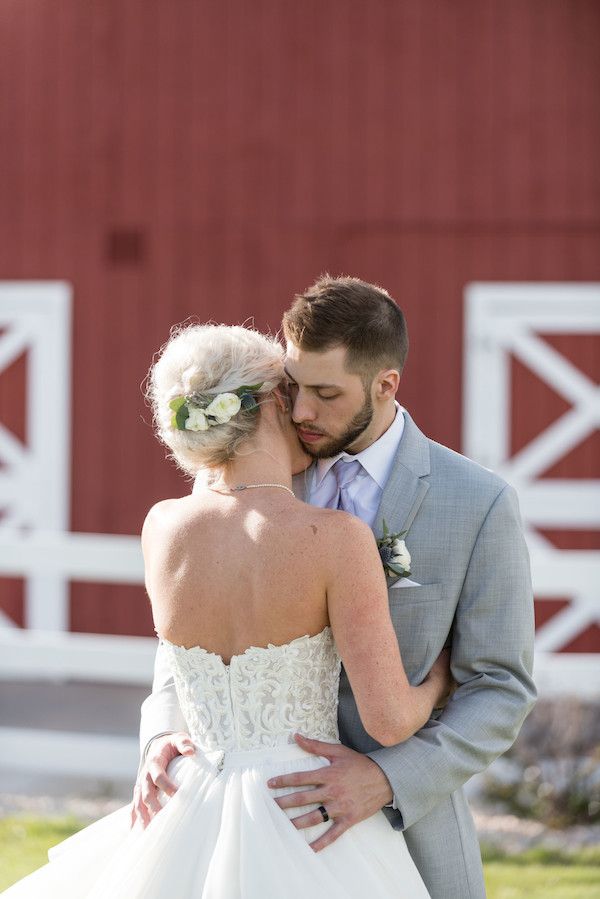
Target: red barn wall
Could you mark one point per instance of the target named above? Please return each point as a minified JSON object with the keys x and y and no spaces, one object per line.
{"x":183,"y":157}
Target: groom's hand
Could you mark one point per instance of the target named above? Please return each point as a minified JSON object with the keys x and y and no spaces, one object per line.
{"x":153,"y":775}
{"x":353,"y":787}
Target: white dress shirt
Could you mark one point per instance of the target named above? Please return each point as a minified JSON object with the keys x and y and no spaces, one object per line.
{"x":367,"y":487}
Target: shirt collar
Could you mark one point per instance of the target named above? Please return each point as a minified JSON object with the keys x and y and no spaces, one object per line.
{"x":377,"y":459}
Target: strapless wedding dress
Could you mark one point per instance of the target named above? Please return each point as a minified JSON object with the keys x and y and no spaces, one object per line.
{"x":221,"y":836}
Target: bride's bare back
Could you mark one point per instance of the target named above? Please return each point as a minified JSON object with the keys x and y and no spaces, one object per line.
{"x":227,"y":571}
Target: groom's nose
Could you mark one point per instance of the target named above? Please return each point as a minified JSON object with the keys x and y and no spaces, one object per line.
{"x":302,"y":409}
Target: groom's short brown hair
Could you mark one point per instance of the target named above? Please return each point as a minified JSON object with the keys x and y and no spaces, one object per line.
{"x":352,"y":313}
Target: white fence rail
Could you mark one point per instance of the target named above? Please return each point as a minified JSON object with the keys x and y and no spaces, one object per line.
{"x":101,"y":659}
{"x":69,"y":754}
{"x":99,"y":558}
{"x":32,"y":654}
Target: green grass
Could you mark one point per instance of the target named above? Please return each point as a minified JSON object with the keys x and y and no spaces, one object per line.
{"x":24,"y":843}
{"x":519,"y":879}
{"x":542,"y":874}
{"x":537,"y":874}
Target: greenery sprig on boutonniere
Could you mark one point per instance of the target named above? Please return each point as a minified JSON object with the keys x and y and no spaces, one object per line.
{"x":199,"y":412}
{"x":394,"y":554}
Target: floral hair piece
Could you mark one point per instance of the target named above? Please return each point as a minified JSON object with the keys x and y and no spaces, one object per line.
{"x":199,"y":412}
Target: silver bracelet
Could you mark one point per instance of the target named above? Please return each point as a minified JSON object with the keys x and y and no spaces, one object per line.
{"x":155,"y":737}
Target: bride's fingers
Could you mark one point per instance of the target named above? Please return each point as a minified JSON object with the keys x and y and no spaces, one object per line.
{"x":158,"y":775}
{"x":330,"y":836}
{"x":149,"y":795}
{"x":163,"y":783}
{"x":140,"y":809}
{"x":184,"y":744}
{"x":294,"y":800}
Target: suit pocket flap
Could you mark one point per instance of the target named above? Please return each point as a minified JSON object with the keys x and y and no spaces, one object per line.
{"x":424,"y":593}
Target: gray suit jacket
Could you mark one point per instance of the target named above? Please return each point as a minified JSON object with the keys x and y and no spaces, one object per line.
{"x":471,"y":562}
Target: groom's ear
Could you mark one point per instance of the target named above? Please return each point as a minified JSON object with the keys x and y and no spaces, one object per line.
{"x":281,"y":397}
{"x":387,"y":383}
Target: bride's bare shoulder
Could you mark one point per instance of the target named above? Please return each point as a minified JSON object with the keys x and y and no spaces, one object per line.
{"x":336,"y":528}
{"x":165,"y":515}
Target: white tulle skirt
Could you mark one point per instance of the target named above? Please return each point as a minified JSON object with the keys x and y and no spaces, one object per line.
{"x":221,"y":836}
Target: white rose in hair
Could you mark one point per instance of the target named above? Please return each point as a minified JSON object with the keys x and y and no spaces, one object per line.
{"x":196,"y":420}
{"x":223,"y":407}
{"x":400,"y":554}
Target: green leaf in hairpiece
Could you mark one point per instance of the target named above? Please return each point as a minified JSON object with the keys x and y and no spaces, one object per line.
{"x":181,"y":416}
{"x":248,"y":388}
{"x":248,"y":402}
{"x":181,"y":413}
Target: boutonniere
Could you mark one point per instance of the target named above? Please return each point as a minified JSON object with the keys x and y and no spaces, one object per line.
{"x":394,"y":554}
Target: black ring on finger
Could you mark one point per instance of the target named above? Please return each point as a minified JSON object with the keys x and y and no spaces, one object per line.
{"x":323,"y":811}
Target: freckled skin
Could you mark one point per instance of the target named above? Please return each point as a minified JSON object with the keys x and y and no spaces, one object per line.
{"x":257,"y":544}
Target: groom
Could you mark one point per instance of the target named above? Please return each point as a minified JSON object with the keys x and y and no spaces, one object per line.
{"x":469,"y":586}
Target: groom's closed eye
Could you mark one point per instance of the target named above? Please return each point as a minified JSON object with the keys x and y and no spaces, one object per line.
{"x":292,"y":385}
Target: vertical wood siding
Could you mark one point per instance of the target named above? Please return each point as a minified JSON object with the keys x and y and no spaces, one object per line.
{"x":248,"y":147}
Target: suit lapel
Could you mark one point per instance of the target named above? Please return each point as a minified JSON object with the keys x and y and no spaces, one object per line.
{"x":406,"y":488}
{"x":400,"y":502}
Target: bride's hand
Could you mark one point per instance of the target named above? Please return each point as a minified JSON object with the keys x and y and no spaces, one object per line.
{"x":153,"y":778}
{"x":441,"y":676}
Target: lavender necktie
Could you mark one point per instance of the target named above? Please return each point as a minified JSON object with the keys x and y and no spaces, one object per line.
{"x":344,"y":472}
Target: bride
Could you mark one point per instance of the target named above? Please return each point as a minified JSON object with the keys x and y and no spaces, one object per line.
{"x":257,"y":600}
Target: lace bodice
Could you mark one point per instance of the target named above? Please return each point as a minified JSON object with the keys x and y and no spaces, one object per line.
{"x":262,"y":697}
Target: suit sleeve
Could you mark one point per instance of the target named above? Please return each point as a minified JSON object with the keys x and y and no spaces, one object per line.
{"x":492,"y":660}
{"x":160,"y":712}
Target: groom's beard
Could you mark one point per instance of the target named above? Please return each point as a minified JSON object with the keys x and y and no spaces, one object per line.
{"x":357,"y":426}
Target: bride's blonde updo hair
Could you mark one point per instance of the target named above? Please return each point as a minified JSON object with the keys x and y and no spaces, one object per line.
{"x":211,"y":359}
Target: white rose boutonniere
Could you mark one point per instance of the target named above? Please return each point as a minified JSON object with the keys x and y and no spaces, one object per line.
{"x":394,"y":554}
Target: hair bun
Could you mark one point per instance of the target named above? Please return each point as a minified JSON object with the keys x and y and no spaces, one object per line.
{"x":198,"y":371}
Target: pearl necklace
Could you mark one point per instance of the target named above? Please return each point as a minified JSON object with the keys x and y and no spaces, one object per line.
{"x":239,"y":487}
